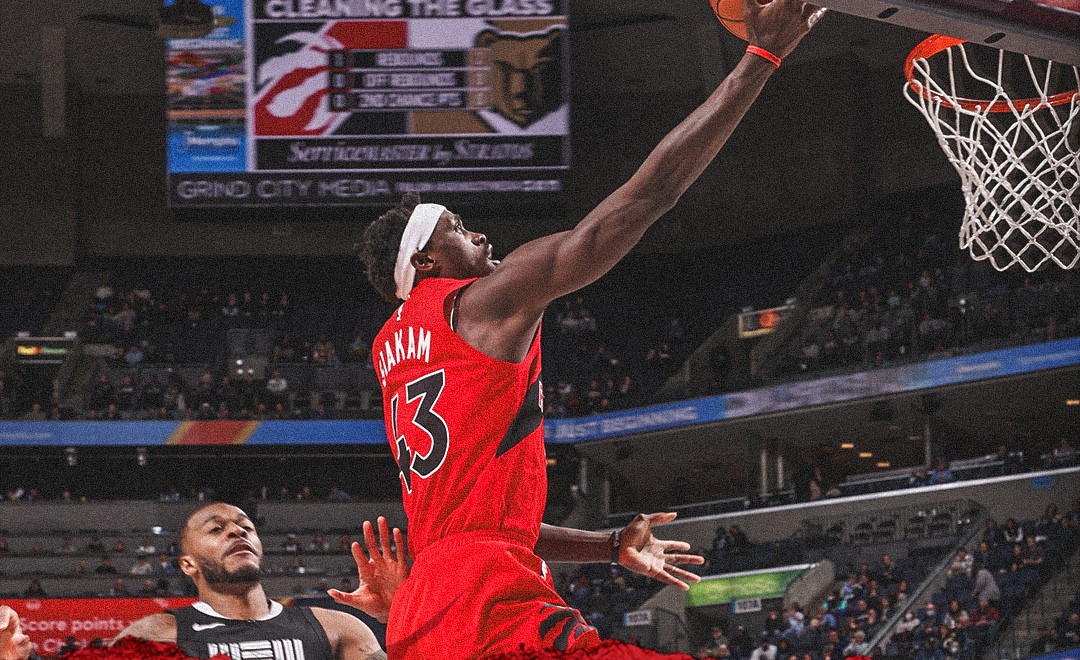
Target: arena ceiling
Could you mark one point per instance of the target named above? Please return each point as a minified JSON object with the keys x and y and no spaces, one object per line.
{"x":668,"y":38}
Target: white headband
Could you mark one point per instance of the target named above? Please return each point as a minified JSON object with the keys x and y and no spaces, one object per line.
{"x":418,"y":231}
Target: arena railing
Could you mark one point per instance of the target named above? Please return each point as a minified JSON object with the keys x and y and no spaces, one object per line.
{"x":865,"y":484}
{"x":934,"y":579}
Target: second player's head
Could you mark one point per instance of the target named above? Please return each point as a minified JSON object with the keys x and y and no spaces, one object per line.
{"x":413,"y":241}
{"x":219,"y":546}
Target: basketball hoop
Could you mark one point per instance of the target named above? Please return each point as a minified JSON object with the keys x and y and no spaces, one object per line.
{"x":1016,"y":151}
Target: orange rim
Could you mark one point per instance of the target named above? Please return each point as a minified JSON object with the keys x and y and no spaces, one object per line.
{"x":937,"y":43}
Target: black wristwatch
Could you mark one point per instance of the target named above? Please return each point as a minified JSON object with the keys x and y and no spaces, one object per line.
{"x":616,"y":542}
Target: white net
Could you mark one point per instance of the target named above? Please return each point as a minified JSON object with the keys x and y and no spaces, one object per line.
{"x":1017,"y":157}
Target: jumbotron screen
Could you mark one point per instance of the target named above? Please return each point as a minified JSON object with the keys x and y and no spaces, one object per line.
{"x":355,"y":102}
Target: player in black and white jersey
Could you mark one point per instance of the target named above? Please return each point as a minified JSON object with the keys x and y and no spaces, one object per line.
{"x":221,"y":553}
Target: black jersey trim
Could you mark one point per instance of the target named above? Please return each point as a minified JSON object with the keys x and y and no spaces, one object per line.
{"x":528,"y":419}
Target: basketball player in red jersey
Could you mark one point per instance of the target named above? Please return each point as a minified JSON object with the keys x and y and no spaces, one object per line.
{"x":459,"y":365}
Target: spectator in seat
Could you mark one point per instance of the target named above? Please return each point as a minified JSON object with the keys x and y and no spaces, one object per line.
{"x":35,"y":414}
{"x":717,"y":638}
{"x":741,"y":642}
{"x":34,"y":590}
{"x":102,"y":393}
{"x":134,"y":355}
{"x":127,"y":395}
{"x":930,"y":649}
{"x":955,"y":616}
{"x":344,"y":543}
{"x":336,"y":494}
{"x":105,"y":567}
{"x":67,"y":546}
{"x":962,"y":563}
{"x":146,"y":547}
{"x":1063,"y":454}
{"x":95,"y":546}
{"x":774,"y":624}
{"x":358,"y":350}
{"x":141,"y":567}
{"x":205,"y":391}
{"x":795,"y":620}
{"x":906,"y":627}
{"x":277,"y":388}
{"x":930,"y":615}
{"x":984,"y":614}
{"x":740,"y":543}
{"x":1070,"y":630}
{"x":986,"y":588}
{"x":812,"y":636}
{"x":149,"y":589}
{"x":318,"y":544}
{"x":941,"y":474}
{"x":164,"y":565}
{"x":920,"y":477}
{"x":1033,"y":553}
{"x":858,"y":645}
{"x":248,"y":391}
{"x":1013,"y":532}
{"x":765,"y":649}
{"x":992,"y":535}
{"x":290,"y":544}
{"x":119,"y":589}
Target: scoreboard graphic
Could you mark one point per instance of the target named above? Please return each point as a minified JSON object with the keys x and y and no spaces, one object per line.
{"x":356,"y":102}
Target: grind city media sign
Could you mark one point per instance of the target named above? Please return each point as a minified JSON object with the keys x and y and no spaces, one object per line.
{"x":345,"y":102}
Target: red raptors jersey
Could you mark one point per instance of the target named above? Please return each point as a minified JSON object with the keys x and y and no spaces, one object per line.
{"x":466,"y":429}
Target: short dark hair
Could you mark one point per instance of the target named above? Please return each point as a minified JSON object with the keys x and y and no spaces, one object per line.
{"x":182,"y":535}
{"x":378,"y":249}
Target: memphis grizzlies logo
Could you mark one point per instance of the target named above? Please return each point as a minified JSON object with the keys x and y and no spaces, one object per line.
{"x":527,"y":73}
{"x":267,"y":649}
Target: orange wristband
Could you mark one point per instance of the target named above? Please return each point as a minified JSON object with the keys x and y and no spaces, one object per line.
{"x":761,"y":52}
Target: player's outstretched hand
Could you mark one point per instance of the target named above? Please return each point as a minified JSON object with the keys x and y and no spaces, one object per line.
{"x":641,"y":552}
{"x":381,"y":571}
{"x":14,"y":645}
{"x":779,"y":25}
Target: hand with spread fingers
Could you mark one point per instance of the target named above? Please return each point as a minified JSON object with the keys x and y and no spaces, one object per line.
{"x":643,"y":553}
{"x":381,"y":571}
{"x":14,"y":644}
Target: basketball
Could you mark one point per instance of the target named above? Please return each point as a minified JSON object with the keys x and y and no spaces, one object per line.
{"x":730,"y":15}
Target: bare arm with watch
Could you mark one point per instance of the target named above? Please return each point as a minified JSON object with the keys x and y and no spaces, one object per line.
{"x":634,"y":548}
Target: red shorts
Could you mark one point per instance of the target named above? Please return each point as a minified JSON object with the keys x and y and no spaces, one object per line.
{"x":469,"y":598}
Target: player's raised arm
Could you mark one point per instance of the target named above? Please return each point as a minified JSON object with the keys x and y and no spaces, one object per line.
{"x":634,"y":547}
{"x":544,"y":269}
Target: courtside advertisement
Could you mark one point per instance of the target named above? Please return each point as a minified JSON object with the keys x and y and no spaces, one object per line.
{"x":356,"y":102}
{"x":49,"y":622}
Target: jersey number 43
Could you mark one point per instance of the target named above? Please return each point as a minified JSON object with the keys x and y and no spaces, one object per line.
{"x":426,"y":389}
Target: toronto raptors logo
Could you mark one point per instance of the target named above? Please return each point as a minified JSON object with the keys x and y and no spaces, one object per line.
{"x":291,"y":88}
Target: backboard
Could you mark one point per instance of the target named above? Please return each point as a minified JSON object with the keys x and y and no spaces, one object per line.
{"x":1021,"y":26}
